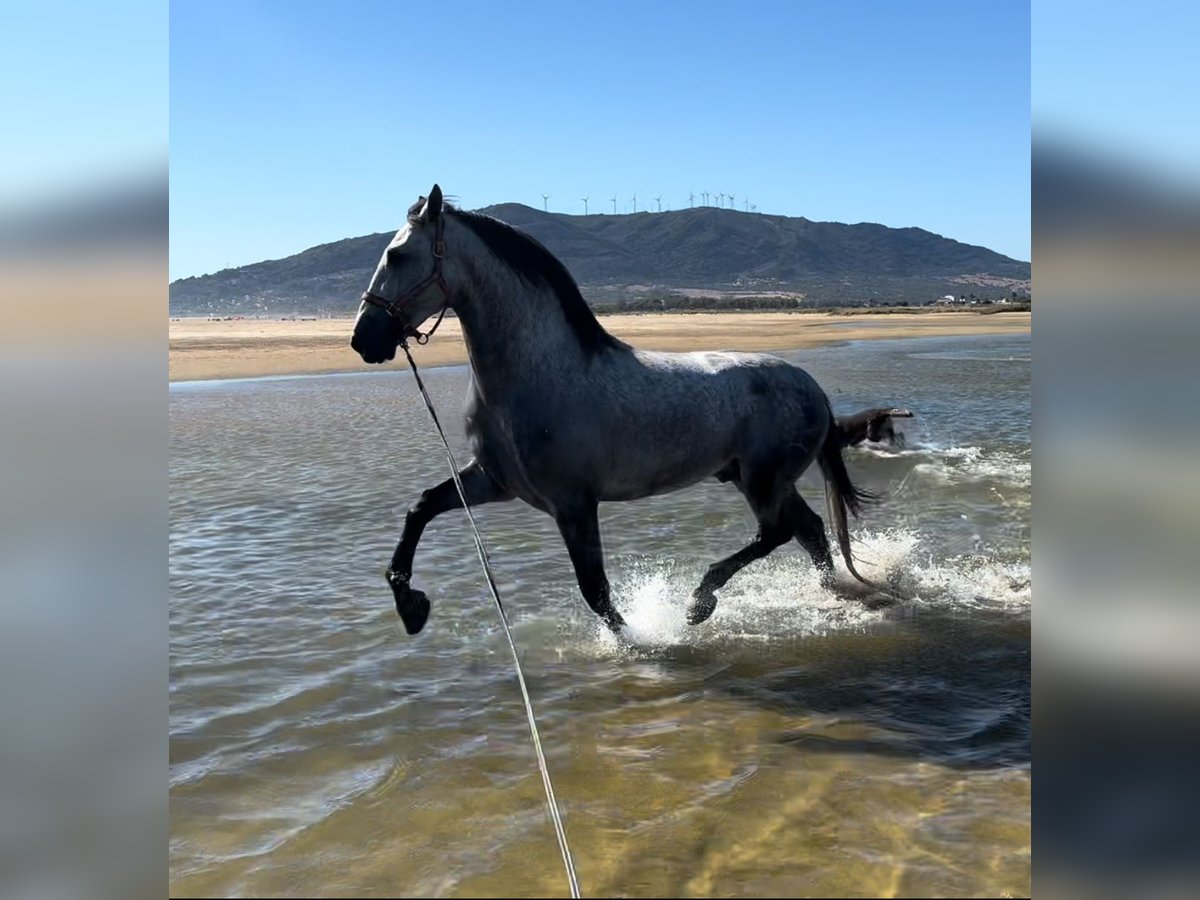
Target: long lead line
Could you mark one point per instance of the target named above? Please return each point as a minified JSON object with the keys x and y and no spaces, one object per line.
{"x":559,"y":832}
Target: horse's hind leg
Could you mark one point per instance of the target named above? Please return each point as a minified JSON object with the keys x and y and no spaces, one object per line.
{"x":775,"y":529}
{"x":810,"y":532}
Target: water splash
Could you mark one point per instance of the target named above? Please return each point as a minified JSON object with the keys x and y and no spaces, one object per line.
{"x":978,"y":580}
{"x":950,"y":464}
{"x":783,"y":598}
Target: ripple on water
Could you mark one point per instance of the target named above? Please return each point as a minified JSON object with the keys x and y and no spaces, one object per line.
{"x":805,"y":739}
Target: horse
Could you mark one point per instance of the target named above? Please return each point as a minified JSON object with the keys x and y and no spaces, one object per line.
{"x":562,"y":415}
{"x":874,"y":425}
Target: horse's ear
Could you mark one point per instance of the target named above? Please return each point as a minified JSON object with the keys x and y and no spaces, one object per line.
{"x":433,"y":208}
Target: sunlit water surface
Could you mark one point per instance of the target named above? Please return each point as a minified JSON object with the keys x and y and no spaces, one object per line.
{"x":798,"y":743}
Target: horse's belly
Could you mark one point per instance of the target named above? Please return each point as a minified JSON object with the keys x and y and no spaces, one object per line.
{"x":667,"y":475}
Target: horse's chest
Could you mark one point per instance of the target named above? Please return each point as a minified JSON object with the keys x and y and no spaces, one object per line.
{"x":525,"y":450}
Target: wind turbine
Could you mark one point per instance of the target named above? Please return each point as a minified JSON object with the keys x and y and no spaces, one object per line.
{"x":614,"y":203}
{"x":747,"y":199}
{"x":545,"y":197}
{"x":635,"y":202}
{"x":658,"y":200}
{"x":585,"y":200}
{"x":732,"y":204}
{"x":691,"y":199}
{"x":704,"y":194}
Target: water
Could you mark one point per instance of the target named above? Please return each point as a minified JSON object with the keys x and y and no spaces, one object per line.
{"x":798,"y":743}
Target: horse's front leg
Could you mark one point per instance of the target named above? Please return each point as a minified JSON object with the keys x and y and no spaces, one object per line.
{"x":580,"y":529}
{"x":411,"y":604}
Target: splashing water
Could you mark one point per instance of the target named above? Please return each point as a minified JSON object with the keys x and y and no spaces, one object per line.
{"x":782,"y":597}
{"x":313,"y":743}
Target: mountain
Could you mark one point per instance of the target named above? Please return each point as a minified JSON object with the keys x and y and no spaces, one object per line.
{"x":703,"y":250}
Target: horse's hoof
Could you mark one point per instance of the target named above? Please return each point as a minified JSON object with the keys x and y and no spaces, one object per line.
{"x":412,"y":605}
{"x":620,"y":630}
{"x":413,"y":609}
{"x":702,"y":607}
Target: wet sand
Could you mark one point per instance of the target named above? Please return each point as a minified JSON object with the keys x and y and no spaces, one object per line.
{"x":202,"y":350}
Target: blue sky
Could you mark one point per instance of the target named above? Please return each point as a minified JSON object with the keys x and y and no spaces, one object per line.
{"x":1118,"y":78}
{"x":85,"y":100}
{"x":297,"y":123}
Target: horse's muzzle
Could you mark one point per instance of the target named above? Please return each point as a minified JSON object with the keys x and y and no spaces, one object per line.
{"x":373,"y":355}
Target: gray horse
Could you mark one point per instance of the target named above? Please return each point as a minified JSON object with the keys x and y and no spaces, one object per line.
{"x":563,"y":415}
{"x":874,"y":425}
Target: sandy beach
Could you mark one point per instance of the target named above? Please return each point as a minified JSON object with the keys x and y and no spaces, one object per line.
{"x":202,"y":350}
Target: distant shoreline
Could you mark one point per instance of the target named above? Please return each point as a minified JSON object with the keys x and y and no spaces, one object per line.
{"x":204,"y":349}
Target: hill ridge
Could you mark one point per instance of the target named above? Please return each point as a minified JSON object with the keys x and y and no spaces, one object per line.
{"x":700,"y":249}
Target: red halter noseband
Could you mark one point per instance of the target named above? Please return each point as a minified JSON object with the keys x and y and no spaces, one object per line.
{"x":394,"y":309}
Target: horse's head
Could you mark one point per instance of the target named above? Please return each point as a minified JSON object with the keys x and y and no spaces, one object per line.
{"x":873,"y":425}
{"x":408,"y":285}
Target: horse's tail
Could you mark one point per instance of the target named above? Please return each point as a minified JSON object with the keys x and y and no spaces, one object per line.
{"x":840,"y":492}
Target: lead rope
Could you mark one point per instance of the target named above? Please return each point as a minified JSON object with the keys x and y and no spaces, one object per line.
{"x":559,"y":832}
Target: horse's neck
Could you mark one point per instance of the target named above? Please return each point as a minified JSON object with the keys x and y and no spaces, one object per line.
{"x":516,"y":334}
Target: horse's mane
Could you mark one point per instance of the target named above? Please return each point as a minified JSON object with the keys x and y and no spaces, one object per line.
{"x":536,"y":265}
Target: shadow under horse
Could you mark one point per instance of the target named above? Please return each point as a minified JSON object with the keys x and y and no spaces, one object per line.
{"x":563,"y":415}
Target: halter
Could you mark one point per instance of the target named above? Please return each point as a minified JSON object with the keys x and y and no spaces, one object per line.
{"x":394,"y":310}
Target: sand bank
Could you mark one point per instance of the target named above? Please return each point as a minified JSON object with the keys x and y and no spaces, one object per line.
{"x":202,"y":349}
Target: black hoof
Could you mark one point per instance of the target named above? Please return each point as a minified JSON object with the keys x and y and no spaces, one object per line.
{"x":616,"y":624}
{"x":411,"y":604}
{"x":702,"y":607}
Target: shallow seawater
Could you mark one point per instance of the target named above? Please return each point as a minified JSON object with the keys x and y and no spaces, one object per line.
{"x":801,"y":742}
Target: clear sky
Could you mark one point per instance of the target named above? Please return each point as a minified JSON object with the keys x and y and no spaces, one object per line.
{"x":1118,"y":78}
{"x":84,"y":96}
{"x":296,"y":123}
